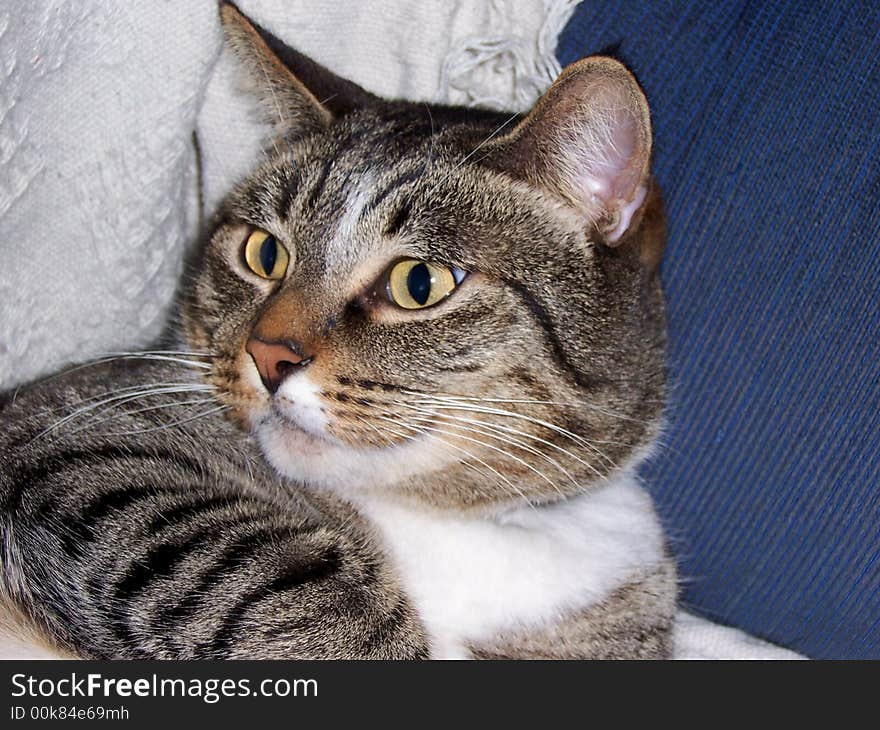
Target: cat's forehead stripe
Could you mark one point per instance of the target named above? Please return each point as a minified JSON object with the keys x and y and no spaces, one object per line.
{"x":288,"y":186}
{"x":398,"y":181}
{"x":339,"y":248}
{"x":320,"y":183}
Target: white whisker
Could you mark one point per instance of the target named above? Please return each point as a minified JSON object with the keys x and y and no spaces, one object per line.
{"x":528,"y":401}
{"x":501,"y":451}
{"x":441,"y":403}
{"x":92,"y":423}
{"x":142,"y":388}
{"x":179,"y":356}
{"x":503,"y":479}
{"x":119,"y":398}
{"x":493,"y":430}
{"x":174,"y":424}
{"x":411,"y":438}
{"x":163,"y":358}
{"x":486,"y":140}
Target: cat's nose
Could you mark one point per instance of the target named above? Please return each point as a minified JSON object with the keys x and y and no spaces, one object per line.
{"x":275,"y":360}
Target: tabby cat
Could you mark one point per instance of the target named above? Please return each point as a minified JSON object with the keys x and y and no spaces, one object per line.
{"x":421,"y":358}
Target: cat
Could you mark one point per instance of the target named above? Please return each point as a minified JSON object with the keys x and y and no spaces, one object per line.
{"x":419,"y":363}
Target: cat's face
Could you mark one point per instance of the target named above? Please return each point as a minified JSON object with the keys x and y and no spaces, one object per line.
{"x":391,"y":309}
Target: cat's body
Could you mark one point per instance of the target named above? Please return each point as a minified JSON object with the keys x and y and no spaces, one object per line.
{"x":443,"y":330}
{"x":178,"y":556}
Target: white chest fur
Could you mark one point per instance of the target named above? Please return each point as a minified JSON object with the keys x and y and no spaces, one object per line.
{"x":471,"y":578}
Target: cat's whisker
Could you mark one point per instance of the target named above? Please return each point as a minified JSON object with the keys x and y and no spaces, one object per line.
{"x":497,"y":449}
{"x":431,"y":148}
{"x":153,"y":354}
{"x":186,"y":358}
{"x":194,"y":353}
{"x":126,"y":396}
{"x":441,"y":403}
{"x":504,"y":481}
{"x":161,"y":358}
{"x":90,"y":410}
{"x":507,"y":430}
{"x":366,"y":422}
{"x":166,"y":426}
{"x":359,"y":420}
{"x":142,"y":388}
{"x":516,"y":443}
{"x":92,"y":423}
{"x":470,"y":154}
{"x":427,"y":165}
{"x":564,"y":404}
{"x":488,"y":139}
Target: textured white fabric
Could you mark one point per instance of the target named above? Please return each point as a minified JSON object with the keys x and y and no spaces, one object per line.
{"x":97,"y":192}
{"x":98,"y":102}
{"x":697,"y":638}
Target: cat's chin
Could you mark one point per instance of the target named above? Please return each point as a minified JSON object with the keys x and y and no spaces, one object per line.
{"x":320,"y":462}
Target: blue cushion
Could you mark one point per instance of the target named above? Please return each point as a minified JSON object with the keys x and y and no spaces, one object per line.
{"x":767,"y":127}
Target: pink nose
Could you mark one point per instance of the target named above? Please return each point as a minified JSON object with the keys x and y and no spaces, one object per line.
{"x":275,"y":360}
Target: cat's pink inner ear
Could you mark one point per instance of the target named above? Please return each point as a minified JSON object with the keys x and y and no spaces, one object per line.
{"x":611,"y":167}
{"x":588,"y":140}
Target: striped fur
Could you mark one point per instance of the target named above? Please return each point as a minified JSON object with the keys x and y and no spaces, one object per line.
{"x":129,"y":531}
{"x":170,"y":505}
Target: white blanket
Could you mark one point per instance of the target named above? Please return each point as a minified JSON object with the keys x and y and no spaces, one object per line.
{"x":98,"y":196}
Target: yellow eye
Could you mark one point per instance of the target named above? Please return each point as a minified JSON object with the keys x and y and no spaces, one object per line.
{"x":416,"y":284}
{"x":265,"y":256}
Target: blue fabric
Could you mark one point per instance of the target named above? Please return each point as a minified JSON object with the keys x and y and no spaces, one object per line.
{"x":767,"y":126}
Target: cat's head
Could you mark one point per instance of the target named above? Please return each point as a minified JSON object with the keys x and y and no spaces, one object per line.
{"x":458,"y":306}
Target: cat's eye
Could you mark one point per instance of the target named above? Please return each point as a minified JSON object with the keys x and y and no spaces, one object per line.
{"x":265,"y":256}
{"x":414,"y":284}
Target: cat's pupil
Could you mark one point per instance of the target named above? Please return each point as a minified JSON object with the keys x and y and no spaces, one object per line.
{"x":418,"y":282}
{"x":268,"y":254}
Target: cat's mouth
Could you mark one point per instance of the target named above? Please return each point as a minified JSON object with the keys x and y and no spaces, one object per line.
{"x":288,"y":445}
{"x":308,"y":427}
{"x":296,"y":410}
{"x":324,"y":461}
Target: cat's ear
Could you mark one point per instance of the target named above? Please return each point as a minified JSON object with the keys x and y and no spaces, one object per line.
{"x":294,"y":92}
{"x":588,"y":141}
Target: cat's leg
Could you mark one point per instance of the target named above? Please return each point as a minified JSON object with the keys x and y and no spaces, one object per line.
{"x":135,"y":532}
{"x":141,"y":568}
{"x":634,"y":622}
